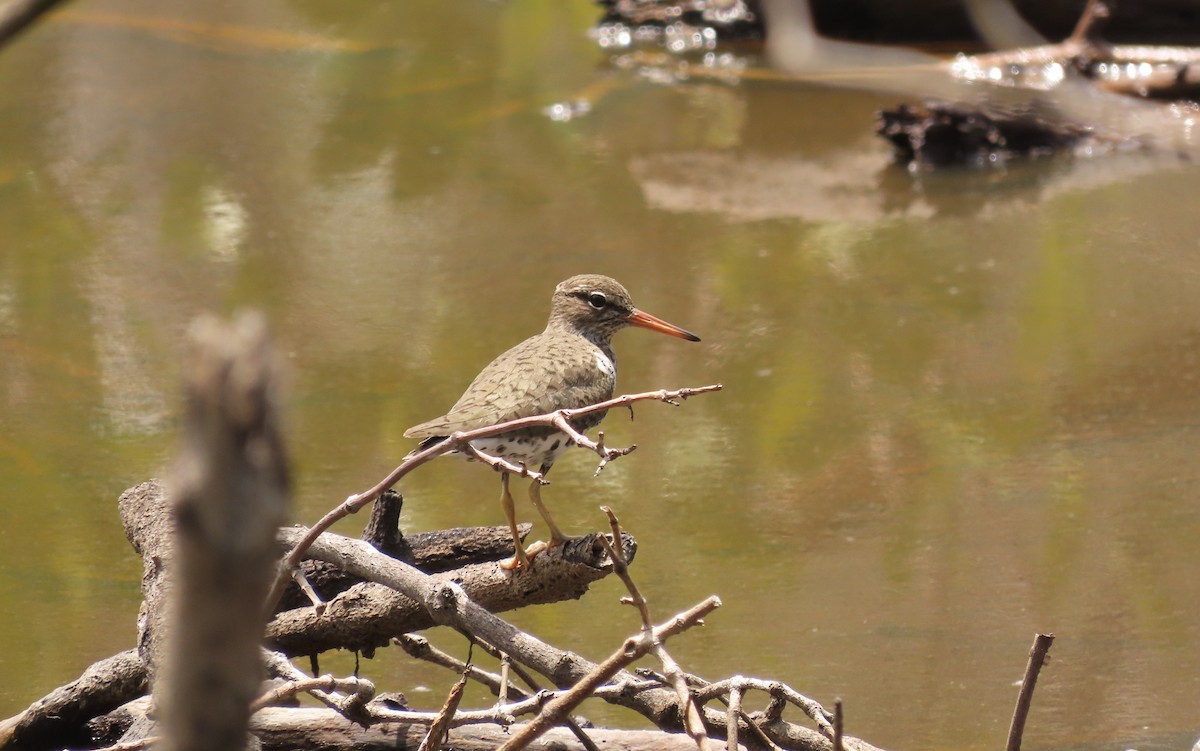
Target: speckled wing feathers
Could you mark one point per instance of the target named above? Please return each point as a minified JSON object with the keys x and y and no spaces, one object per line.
{"x":553,"y":370}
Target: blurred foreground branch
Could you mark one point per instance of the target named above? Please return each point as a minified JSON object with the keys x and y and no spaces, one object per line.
{"x":17,"y":15}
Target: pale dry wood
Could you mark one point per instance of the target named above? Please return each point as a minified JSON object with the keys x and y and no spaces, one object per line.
{"x":692,"y":722}
{"x":348,"y":699}
{"x":780,"y":691}
{"x":633,"y":648}
{"x":432,"y":552}
{"x":368,"y":615}
{"x":439,"y":729}
{"x":325,"y":729}
{"x":230,"y":493}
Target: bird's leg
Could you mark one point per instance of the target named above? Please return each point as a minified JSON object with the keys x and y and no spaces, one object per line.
{"x":535,"y":495}
{"x":519,"y":559}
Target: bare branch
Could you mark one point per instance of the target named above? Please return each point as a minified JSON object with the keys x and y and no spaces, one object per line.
{"x":633,"y":648}
{"x":692,"y":721}
{"x":731,"y":721}
{"x":440,"y":727}
{"x":349,"y":705}
{"x":779,"y":692}
{"x":302,"y":581}
{"x":327,"y":683}
{"x":368,"y":615}
{"x":1037,"y":657}
{"x":502,"y":465}
{"x":16,"y":16}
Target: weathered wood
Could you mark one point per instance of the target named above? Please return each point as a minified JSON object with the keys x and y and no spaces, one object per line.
{"x":325,"y":729}
{"x":230,"y":494}
{"x":431,"y":552}
{"x":368,"y":615}
{"x":148,"y":527}
{"x":56,"y":720}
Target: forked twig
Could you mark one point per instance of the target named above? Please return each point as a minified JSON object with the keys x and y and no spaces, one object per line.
{"x":780,"y":693}
{"x":692,"y":722}
{"x":633,"y":648}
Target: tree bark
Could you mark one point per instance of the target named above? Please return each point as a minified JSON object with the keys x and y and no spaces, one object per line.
{"x":369,"y":615}
{"x":230,"y":495}
{"x":327,"y":730}
{"x":57,"y":718}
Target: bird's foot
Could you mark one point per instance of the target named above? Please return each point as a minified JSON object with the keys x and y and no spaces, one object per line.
{"x":523,"y":557}
{"x":517,"y":562}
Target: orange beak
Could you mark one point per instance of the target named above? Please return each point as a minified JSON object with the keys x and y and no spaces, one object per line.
{"x":647,"y":321}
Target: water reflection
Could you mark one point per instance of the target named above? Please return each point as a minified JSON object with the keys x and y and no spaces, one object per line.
{"x":958,"y":409}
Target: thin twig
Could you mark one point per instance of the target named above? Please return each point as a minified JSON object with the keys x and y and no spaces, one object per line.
{"x":505,"y":664}
{"x":326,"y":683}
{"x":1037,"y":656}
{"x":762,"y":737}
{"x":633,"y":648}
{"x":779,"y":691}
{"x":457,"y":441}
{"x":307,"y":588}
{"x":440,"y":728}
{"x":731,"y":721}
{"x":570,"y":722}
{"x":501,"y":464}
{"x":349,"y":706}
{"x":693,"y":723}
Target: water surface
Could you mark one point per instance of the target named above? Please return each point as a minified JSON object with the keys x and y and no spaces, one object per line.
{"x":959,"y":409}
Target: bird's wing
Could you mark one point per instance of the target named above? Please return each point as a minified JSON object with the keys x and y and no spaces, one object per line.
{"x":523,"y":382}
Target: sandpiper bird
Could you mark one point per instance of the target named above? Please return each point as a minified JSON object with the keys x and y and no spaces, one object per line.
{"x":567,"y":366}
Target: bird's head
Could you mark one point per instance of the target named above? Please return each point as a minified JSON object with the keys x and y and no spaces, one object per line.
{"x":598,"y":306}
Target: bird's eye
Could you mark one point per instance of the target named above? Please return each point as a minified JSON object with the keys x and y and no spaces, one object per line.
{"x":597,"y":300}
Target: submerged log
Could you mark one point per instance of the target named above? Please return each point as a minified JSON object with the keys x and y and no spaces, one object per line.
{"x":940,"y":134}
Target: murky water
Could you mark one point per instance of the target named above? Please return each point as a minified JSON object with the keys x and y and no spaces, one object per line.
{"x":958,"y":410}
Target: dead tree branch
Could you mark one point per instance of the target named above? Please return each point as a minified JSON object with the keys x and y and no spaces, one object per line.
{"x":633,"y":648}
{"x":286,"y":728}
{"x":16,"y":16}
{"x":103,"y":687}
{"x":692,"y":722}
{"x":231,"y":488}
{"x":1037,"y":657}
{"x":367,"y":616}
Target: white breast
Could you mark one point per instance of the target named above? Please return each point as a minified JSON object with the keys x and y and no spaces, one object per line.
{"x":606,"y":365}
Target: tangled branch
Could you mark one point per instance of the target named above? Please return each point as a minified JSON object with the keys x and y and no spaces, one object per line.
{"x":461,"y":440}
